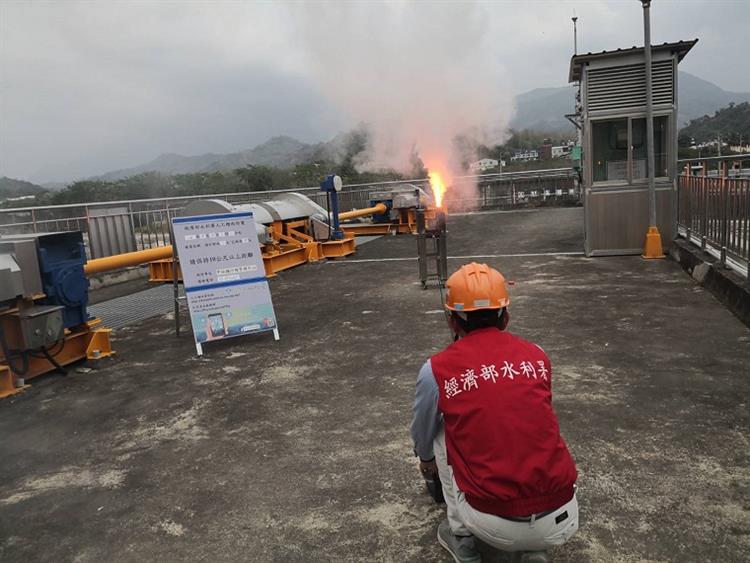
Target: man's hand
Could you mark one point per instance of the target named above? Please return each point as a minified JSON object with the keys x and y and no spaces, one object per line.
{"x":428,"y":468}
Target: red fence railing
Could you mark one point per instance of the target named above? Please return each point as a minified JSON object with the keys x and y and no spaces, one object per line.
{"x":714,"y":207}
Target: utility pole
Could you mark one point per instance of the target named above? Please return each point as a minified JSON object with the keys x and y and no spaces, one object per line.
{"x":653,"y":247}
{"x":578,"y":108}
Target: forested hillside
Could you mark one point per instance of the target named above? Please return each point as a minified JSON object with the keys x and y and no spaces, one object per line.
{"x":10,"y":188}
{"x":731,"y":123}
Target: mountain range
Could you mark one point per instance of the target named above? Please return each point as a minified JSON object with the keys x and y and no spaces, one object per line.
{"x":278,"y":152}
{"x":542,"y":109}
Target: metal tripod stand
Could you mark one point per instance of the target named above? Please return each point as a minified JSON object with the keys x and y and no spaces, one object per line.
{"x":432,"y":244}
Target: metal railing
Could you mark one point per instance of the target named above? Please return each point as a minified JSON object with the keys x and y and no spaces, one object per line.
{"x":144,"y":223}
{"x":508,"y":189}
{"x":146,"y":220}
{"x":714,"y":208}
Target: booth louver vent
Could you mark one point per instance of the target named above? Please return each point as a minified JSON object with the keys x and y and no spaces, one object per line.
{"x":624,"y":87}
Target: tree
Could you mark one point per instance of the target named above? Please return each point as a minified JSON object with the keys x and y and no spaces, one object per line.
{"x":256,"y":178}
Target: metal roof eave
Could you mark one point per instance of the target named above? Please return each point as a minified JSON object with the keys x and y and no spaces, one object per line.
{"x":578,"y":61}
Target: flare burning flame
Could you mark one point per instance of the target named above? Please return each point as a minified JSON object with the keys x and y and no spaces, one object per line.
{"x":438,"y":187}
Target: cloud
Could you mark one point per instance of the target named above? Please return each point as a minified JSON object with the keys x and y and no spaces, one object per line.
{"x":86,"y":87}
{"x":92,"y":87}
{"x":418,"y":76}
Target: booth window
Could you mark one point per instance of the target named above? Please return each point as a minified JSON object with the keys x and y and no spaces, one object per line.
{"x":640,"y":157}
{"x":610,"y":141}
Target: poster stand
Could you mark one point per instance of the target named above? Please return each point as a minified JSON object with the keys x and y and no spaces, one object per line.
{"x":223,"y":275}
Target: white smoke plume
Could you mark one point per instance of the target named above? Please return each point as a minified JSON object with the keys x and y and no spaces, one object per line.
{"x":418,"y":74}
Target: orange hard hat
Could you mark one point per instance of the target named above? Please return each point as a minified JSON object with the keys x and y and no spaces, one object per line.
{"x":476,"y":286}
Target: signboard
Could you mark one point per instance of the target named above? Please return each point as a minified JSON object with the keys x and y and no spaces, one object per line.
{"x":225,"y":281}
{"x":639,"y":168}
{"x":618,"y":169}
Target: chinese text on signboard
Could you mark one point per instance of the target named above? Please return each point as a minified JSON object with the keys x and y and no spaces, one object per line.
{"x":224,"y":277}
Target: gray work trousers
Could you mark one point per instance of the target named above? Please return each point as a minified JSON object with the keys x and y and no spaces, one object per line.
{"x":507,"y":535}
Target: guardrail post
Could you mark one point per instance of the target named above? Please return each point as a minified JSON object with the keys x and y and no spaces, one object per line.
{"x":169,"y":221}
{"x":704,"y":213}
{"x":685,"y":189}
{"x":723,"y":188}
{"x":33,"y":221}
{"x":132,"y":225}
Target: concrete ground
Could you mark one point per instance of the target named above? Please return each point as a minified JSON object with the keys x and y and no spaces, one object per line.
{"x":298,"y":450}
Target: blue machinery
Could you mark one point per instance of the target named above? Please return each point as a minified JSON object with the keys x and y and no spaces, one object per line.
{"x":332,"y":186}
{"x":61,"y":260}
{"x":44,"y":323}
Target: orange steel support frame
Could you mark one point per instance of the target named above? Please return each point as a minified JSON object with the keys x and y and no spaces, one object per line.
{"x":87,"y":341}
{"x":293,"y":245}
{"x":374,"y":229}
{"x":276,"y":258}
{"x":405,"y":224}
{"x":339,"y":248}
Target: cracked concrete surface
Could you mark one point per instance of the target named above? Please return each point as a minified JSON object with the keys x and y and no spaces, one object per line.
{"x":298,"y":450}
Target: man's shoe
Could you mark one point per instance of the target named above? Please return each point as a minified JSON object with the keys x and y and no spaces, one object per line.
{"x":462,"y":548}
{"x":534,"y":557}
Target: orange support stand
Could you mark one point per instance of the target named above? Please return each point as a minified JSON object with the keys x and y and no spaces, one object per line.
{"x":339,"y":248}
{"x":86,"y":341}
{"x":7,"y":382}
{"x":161,"y":270}
{"x":282,"y":257}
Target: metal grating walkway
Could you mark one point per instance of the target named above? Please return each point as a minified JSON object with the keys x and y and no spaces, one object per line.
{"x":136,"y":307}
{"x":149,"y":303}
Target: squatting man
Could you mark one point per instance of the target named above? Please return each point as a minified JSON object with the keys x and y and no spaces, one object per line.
{"x":483,"y":421}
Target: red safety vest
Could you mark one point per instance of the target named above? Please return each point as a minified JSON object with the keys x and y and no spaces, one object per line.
{"x":501,"y":434}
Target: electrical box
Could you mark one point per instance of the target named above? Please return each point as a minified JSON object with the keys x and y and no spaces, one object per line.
{"x":28,"y":281}
{"x":41,"y":326}
{"x":405,"y":198}
{"x":11,"y":279}
{"x":575,"y":157}
{"x":60,"y":260}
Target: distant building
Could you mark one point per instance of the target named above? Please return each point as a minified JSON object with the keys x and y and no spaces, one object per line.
{"x":708,"y":145}
{"x":483,"y":165}
{"x":18,"y":198}
{"x":545,"y":152}
{"x":525,"y":155}
{"x":563,"y":151}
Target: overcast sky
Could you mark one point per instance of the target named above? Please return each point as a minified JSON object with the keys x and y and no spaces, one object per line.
{"x":88,"y":87}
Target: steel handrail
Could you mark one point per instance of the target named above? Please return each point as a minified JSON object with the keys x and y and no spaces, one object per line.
{"x":346,"y":187}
